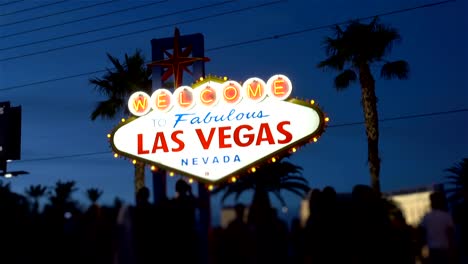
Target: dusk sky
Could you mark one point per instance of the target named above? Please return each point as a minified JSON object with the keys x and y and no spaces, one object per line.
{"x":50,"y":49}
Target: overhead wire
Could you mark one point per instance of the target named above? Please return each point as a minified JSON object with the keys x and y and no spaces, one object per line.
{"x":32,"y":8}
{"x":296,"y":32}
{"x":401,"y":117}
{"x":111,"y":26}
{"x":276,"y":36}
{"x":50,"y":15}
{"x":11,"y":2}
{"x":142,"y":31}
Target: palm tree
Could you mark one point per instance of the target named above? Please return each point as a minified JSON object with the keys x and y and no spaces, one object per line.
{"x":117,"y":85}
{"x":93,"y":194}
{"x":61,"y":197}
{"x":458,"y":178}
{"x":272,"y":178}
{"x":352,"y":52}
{"x":35,"y":192}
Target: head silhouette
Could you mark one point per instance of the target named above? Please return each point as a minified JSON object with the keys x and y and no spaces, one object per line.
{"x":182,"y":187}
{"x":437,"y":200}
{"x":239,"y":210}
{"x":143,"y":195}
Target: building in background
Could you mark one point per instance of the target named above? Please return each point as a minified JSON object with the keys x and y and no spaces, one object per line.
{"x":414,"y":203}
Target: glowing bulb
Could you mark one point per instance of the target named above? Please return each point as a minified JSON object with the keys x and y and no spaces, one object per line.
{"x":253,"y":169}
{"x":171,"y":174}
{"x":134,"y":161}
{"x":233,"y":179}
{"x":116,"y":155}
{"x":210,"y":187}
{"x":123,"y":119}
{"x":108,"y":135}
{"x":8,"y":175}
{"x":312,"y":102}
{"x":225,"y":78}
{"x":327,"y":119}
{"x":315,"y":139}
{"x":201,"y":78}
{"x":153,"y":168}
{"x":293,"y":149}
{"x":190,"y":181}
{"x":273,"y":159}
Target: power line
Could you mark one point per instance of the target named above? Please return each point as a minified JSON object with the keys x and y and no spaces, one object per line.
{"x":67,"y":156}
{"x":401,"y":117}
{"x":12,"y":2}
{"x":226,"y":46}
{"x":405,"y":117}
{"x":155,"y":17}
{"x":143,"y":30}
{"x":291,"y":33}
{"x":50,"y":15}
{"x":107,"y":27}
{"x":51,"y":80}
{"x":32,"y":8}
{"x":71,"y":22}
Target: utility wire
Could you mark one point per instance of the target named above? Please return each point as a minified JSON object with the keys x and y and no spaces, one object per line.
{"x":32,"y":8}
{"x":159,"y":16}
{"x":401,"y":117}
{"x":226,"y":46}
{"x":140,"y":31}
{"x":50,"y":15}
{"x":108,"y":27}
{"x":291,"y":33}
{"x":12,"y":2}
{"x":405,"y":117}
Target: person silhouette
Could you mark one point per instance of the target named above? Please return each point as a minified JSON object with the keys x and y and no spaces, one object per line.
{"x":438,"y":230}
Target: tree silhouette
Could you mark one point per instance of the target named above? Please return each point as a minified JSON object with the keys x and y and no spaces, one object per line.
{"x":272,"y":178}
{"x":352,"y":52}
{"x":61,"y":198}
{"x":117,"y":85}
{"x":36,"y":192}
{"x":93,"y":194}
{"x":458,"y":179}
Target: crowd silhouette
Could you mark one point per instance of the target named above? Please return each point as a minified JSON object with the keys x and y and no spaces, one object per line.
{"x":363,"y":228}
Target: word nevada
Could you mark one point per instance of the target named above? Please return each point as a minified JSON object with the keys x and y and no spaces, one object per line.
{"x":218,"y":128}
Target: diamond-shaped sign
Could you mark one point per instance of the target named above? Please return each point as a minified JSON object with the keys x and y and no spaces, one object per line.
{"x":209,"y":137}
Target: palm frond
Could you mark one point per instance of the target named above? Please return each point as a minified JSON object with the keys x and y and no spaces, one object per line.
{"x":344,"y":79}
{"x":396,"y":69}
{"x":280,"y":198}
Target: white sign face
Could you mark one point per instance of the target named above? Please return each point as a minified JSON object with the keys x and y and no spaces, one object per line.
{"x":216,"y":132}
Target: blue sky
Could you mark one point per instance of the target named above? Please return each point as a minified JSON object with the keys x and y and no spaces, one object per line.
{"x":56,"y":121}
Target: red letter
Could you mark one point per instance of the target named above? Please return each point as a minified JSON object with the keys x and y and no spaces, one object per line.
{"x":205,"y":142}
{"x":160,"y":136}
{"x":249,"y":137}
{"x":287,"y":135}
{"x":140,"y":145}
{"x":177,"y":140}
{"x":264,"y":134}
{"x":223,"y":136}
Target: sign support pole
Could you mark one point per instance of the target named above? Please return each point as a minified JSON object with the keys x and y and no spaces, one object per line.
{"x":158,"y":48}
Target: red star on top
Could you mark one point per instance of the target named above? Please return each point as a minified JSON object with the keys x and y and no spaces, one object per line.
{"x":177,"y":62}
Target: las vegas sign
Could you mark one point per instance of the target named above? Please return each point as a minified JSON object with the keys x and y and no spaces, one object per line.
{"x":218,"y":128}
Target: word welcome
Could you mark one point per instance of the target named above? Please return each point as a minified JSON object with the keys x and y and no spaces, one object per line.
{"x":210,"y":94}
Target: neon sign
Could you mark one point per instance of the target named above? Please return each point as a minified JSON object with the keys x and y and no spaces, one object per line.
{"x":217,"y":129}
